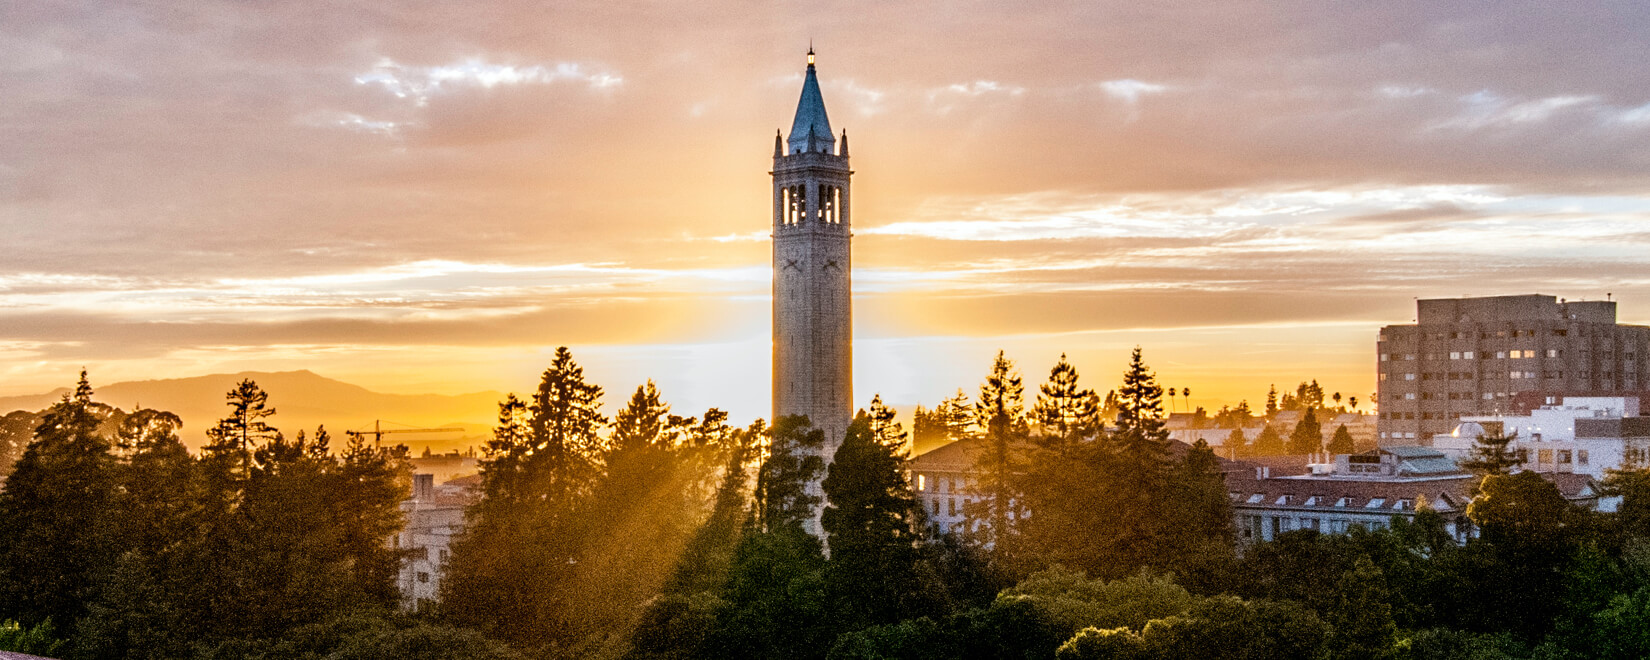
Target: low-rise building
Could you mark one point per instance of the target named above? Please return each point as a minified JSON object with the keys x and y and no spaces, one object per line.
{"x":1366,"y":490}
{"x":1582,"y":435}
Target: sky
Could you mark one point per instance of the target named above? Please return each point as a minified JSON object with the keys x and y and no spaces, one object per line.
{"x":431,"y":196}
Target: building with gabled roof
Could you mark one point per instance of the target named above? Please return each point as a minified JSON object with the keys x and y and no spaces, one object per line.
{"x":1367,"y":490}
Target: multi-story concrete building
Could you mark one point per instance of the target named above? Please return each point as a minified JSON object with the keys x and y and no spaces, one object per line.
{"x":1478,"y":356}
{"x":434,"y":516}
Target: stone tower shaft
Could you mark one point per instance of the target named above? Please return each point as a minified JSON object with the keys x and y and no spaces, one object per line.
{"x":812,"y":283}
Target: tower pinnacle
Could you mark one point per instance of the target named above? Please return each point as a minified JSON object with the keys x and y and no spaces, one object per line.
{"x":811,"y":130}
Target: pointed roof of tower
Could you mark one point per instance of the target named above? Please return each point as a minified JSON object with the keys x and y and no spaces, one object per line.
{"x":811,"y":121}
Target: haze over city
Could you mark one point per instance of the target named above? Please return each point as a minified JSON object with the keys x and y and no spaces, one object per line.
{"x":431,"y":198}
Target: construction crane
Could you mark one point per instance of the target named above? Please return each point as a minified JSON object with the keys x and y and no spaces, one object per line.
{"x":378,"y":431}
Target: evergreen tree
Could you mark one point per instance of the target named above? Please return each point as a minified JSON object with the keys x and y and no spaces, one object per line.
{"x":1271,"y":401}
{"x":1308,"y":435}
{"x":1341,"y":443}
{"x":782,"y":497}
{"x":1492,"y":455}
{"x":1141,"y":439}
{"x":231,"y":443}
{"x":872,"y":527}
{"x":515,"y":571}
{"x":1000,"y":413}
{"x":1065,"y":414}
{"x":957,"y":416}
{"x":1196,"y":514}
{"x":1236,"y":444}
{"x":57,"y":538}
{"x":1269,"y":442}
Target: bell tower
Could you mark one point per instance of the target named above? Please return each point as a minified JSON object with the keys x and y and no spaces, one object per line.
{"x":812,"y":303}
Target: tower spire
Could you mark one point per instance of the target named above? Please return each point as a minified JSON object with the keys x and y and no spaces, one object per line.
{"x":811,"y":130}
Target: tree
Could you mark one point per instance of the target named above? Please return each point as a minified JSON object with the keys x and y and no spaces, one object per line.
{"x":232,"y":441}
{"x":1141,"y":439}
{"x":872,"y":526}
{"x":1272,"y":401}
{"x":57,"y":538}
{"x":1341,"y":443}
{"x":515,"y":571}
{"x":1269,"y":442}
{"x":1361,"y":623}
{"x":1492,"y":455}
{"x":1065,"y":414}
{"x":1308,"y":435}
{"x":1236,"y":444}
{"x":1000,"y":413}
{"x":782,"y":498}
{"x":956,"y":414}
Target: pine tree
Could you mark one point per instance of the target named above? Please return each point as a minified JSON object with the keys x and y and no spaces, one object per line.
{"x":957,"y":416}
{"x":871,"y":525}
{"x":1141,"y":439}
{"x":231,"y":443}
{"x":1271,"y":401}
{"x":1308,"y":435}
{"x":1493,"y":455}
{"x":792,"y":461}
{"x":1000,"y":413}
{"x":1065,"y":414}
{"x":1236,"y":444}
{"x":515,"y":570}
{"x":55,"y":507}
{"x":1269,"y":442}
{"x":1341,"y":443}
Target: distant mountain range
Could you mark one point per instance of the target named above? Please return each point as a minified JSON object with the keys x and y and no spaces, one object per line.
{"x":302,"y":400}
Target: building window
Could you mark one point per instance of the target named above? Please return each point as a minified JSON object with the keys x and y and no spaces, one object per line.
{"x":1545,"y":456}
{"x":1581,"y":457}
{"x":922,"y":482}
{"x":1381,"y":377}
{"x":951,"y":506}
{"x":1564,"y":456}
{"x":423,"y":577}
{"x":1409,"y":396}
{"x":1466,"y":355}
{"x":1553,"y":352}
{"x":1409,"y":356}
{"x":1385,"y":356}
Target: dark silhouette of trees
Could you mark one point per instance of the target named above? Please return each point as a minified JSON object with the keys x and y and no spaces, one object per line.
{"x":1342,"y":442}
{"x":1000,"y":414}
{"x":1307,"y":437}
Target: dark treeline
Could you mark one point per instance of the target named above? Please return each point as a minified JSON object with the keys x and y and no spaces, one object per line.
{"x":648,"y":535}
{"x":117,"y":542}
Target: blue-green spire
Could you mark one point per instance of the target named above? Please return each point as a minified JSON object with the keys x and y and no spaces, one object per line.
{"x":811,"y":131}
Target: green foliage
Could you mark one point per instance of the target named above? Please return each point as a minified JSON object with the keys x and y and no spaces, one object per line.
{"x":781,"y":496}
{"x":1342,"y":442}
{"x":1226,"y":627}
{"x":872,"y":525}
{"x":16,"y":430}
{"x":1000,"y":413}
{"x":1307,"y":437}
{"x":1072,"y":601}
{"x":39,"y":640}
{"x":1268,"y":443}
{"x":1492,"y":455}
{"x":1448,"y":644}
{"x":58,"y":498}
{"x":1108,"y":644}
{"x":364,"y":637}
{"x":1361,"y":622}
{"x":1065,"y":414}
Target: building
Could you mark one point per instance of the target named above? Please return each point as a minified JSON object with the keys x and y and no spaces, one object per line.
{"x":1583,"y":435}
{"x":943,"y":478}
{"x":812,"y":292}
{"x":434,"y":516}
{"x":1366,"y":490}
{"x":1478,"y":356}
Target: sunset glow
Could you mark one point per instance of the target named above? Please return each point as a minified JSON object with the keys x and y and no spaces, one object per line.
{"x":432,"y":201}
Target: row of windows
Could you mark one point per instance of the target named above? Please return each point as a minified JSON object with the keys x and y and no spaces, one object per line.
{"x":1254,"y":526}
{"x":1517,"y":354}
{"x":1504,"y":375}
{"x":1485,"y":334}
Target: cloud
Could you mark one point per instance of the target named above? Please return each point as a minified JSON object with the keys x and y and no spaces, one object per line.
{"x":418,"y":84}
{"x":1130,"y":90}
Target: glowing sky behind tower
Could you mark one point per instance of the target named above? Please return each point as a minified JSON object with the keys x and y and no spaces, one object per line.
{"x":430,"y":196}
